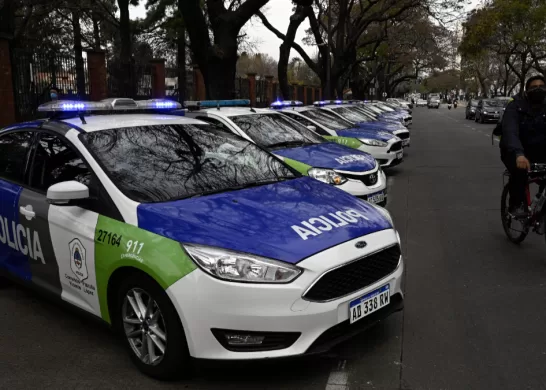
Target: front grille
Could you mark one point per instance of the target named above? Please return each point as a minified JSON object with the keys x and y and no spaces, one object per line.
{"x":355,"y":275}
{"x":369,"y":180}
{"x":403,"y":135}
{"x":396,"y":147}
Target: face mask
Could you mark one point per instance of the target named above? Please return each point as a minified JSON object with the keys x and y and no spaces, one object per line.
{"x":537,"y":95}
{"x":53,"y":96}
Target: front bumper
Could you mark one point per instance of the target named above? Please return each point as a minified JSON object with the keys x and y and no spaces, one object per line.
{"x":204,"y":303}
{"x":385,"y":155}
{"x":404,"y":135}
{"x":490,"y":117}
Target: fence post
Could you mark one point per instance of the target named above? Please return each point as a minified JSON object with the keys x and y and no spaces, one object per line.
{"x":198,"y":84}
{"x":252,"y":88}
{"x":305,"y":94}
{"x":269,"y":89}
{"x":7,"y":113}
{"x":319,"y":94}
{"x":294,"y":92}
{"x":275,"y":87}
{"x":96,"y":66}
{"x":313,"y":99}
{"x":158,"y":78}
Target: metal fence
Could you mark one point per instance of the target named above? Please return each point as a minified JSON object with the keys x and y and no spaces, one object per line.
{"x":242,"y":88}
{"x":172,"y":88}
{"x":34,"y":73}
{"x":140,"y":79}
{"x":261,"y":93}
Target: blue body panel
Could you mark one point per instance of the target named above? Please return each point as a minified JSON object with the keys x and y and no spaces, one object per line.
{"x":361,"y":132}
{"x":326,"y":155}
{"x":268,"y":221}
{"x":11,"y":259}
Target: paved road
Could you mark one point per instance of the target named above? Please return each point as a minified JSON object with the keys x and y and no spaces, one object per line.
{"x":474,"y":316}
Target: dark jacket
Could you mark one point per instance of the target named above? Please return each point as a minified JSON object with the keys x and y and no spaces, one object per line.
{"x":524,"y":129}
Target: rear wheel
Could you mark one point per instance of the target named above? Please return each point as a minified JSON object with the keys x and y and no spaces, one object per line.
{"x":151,"y":328}
{"x":516,"y":230}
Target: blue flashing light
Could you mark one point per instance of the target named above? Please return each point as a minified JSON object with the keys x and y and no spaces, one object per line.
{"x":286,"y":103}
{"x":158,"y":104}
{"x":338,"y":101}
{"x":73,"y":106}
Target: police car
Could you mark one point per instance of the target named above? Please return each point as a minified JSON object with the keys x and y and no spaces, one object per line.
{"x":350,"y":170}
{"x":405,"y":118}
{"x":360,"y":117}
{"x":384,"y":146}
{"x":189,"y":241}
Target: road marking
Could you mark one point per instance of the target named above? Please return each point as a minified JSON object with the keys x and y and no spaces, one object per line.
{"x":339,"y":378}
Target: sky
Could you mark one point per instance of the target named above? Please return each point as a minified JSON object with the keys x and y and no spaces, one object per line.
{"x":278,"y":13}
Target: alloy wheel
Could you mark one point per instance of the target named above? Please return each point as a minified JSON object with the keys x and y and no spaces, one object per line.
{"x":144,"y":326}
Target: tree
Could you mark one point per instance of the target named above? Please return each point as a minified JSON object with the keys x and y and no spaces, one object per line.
{"x":217,"y":60}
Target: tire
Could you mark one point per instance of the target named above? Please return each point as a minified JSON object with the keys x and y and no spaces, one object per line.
{"x":516,"y":237}
{"x":175,"y":362}
{"x":476,"y":118}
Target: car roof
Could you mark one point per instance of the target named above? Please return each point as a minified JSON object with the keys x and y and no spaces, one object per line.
{"x":103,"y":122}
{"x":234,"y":111}
{"x":297,"y":109}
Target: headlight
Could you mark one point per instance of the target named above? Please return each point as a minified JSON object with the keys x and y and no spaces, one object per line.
{"x":241,"y":267}
{"x":472,"y":110}
{"x":326,"y":176}
{"x":372,"y":142}
{"x":484,"y":112}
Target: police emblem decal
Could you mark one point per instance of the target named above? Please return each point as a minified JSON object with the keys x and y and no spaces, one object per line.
{"x":78,"y":262}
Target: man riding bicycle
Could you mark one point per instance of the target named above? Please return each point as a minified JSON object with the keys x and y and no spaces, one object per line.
{"x":524,"y":140}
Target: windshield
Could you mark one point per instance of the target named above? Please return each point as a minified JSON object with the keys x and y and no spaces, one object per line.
{"x":276,"y":131}
{"x":493,"y":103}
{"x":374,"y":109}
{"x":352,"y":115}
{"x":168,"y":162}
{"x":327,"y":119}
{"x":366,"y":111}
{"x":386,"y":108}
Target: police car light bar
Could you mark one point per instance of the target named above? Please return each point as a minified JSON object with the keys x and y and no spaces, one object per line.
{"x":286,"y":103}
{"x":73,"y":106}
{"x":158,"y":104}
{"x":217,"y":103}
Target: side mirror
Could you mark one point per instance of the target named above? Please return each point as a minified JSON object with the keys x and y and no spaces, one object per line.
{"x":65,"y":192}
{"x":312,"y":128}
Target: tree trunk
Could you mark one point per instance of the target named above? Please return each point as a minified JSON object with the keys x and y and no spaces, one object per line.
{"x":80,"y":72}
{"x":221,"y":69}
{"x":126,"y":83}
{"x":96,"y":31}
{"x":284,"y":51}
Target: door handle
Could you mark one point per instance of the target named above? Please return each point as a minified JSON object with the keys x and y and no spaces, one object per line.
{"x":27,"y":212}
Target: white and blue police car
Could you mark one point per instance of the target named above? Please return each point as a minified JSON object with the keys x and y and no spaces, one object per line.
{"x":351,"y":170}
{"x":188,"y":240}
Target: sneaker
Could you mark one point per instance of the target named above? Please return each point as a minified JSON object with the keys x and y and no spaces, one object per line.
{"x":518,"y":212}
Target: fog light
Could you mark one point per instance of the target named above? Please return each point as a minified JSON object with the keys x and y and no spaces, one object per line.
{"x":243,"y":339}
{"x":251,"y":341}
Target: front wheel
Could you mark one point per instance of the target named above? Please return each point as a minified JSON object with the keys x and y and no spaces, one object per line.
{"x":516,"y":233}
{"x":151,"y":328}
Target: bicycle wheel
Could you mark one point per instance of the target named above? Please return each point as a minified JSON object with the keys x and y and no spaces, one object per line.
{"x":516,"y":230}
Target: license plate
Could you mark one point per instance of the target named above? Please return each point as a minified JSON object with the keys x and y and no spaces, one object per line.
{"x":378,"y":197}
{"x":366,"y":305}
{"x":399,"y":155}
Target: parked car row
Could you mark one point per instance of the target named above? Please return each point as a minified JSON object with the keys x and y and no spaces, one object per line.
{"x":217,"y":231}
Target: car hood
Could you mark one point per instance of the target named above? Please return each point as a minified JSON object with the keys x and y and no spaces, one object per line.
{"x":330,"y":155}
{"x":279,"y":221}
{"x":362,"y":132}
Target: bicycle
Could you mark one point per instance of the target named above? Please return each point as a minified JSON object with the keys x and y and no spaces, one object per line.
{"x":536,"y":218}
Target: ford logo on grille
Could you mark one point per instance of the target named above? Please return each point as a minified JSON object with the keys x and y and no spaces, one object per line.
{"x":361,"y":244}
{"x":373,"y":178}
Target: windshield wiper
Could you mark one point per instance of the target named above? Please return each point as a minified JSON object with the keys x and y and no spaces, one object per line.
{"x":236,"y":188}
{"x":289,"y":143}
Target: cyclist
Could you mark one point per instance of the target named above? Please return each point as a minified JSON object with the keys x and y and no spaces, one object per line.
{"x":523,"y":139}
